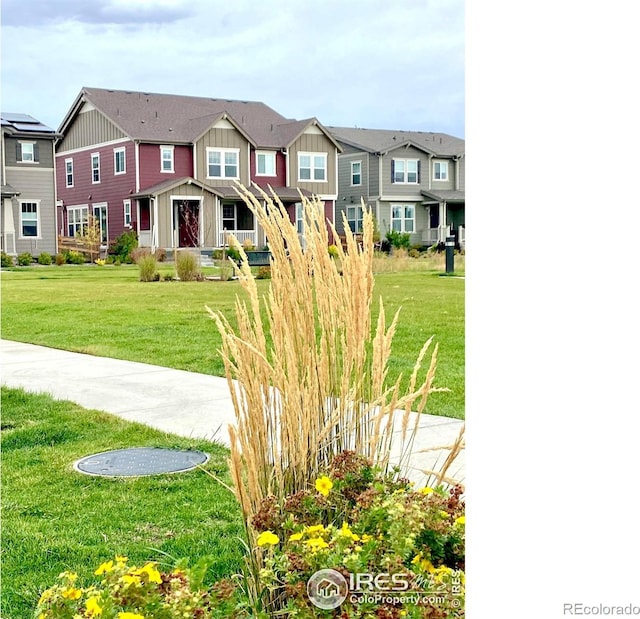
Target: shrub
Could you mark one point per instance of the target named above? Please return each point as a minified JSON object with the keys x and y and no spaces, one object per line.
{"x":263,"y":273}
{"x":44,"y":258}
{"x":225,"y":270}
{"x":61,"y":259}
{"x":139,"y":252}
{"x":248,"y":245}
{"x":147,"y":266}
{"x":122,"y":247}
{"x":160,"y":254}
{"x":333,"y":251}
{"x":25,"y":259}
{"x":75,"y":257}
{"x":6,"y":260}
{"x":399,"y":239}
{"x":414,"y":253}
{"x":187,"y":266}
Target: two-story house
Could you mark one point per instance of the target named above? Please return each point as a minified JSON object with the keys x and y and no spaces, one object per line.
{"x":412,"y":180}
{"x":165,"y":166}
{"x":28,"y":186}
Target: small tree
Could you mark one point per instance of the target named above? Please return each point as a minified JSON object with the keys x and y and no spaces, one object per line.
{"x":91,"y":235}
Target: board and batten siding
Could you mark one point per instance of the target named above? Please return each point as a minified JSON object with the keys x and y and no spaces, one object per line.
{"x":221,"y":137}
{"x":409,"y":189}
{"x":349,"y":195}
{"x":45,"y":153}
{"x":314,"y":143}
{"x":89,"y":128}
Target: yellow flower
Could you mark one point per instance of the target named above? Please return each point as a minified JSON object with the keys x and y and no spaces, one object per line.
{"x":345,"y":531}
{"x":71,"y":593}
{"x":121,"y":560}
{"x":460,"y":520}
{"x":295,"y":537}
{"x":423,"y":563}
{"x":324,"y":485}
{"x":267,"y":539}
{"x":316,"y":543}
{"x":46,"y":595}
{"x":107,"y":566}
{"x":426,"y":490}
{"x":316,"y":528}
{"x":93,"y":608}
{"x":70,"y":576}
{"x":444,"y":514}
{"x":131,"y":579}
{"x":366,"y":537}
{"x":150,"y":570}
{"x":130,"y":616}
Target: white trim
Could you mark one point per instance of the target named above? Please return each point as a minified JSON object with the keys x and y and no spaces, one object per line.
{"x":38,"y":235}
{"x":444,"y":162}
{"x":137,"y":153}
{"x":127,"y":202}
{"x":403,"y":219}
{"x":66,"y":173}
{"x":406,"y":171}
{"x":194,"y":156}
{"x":327,"y":196}
{"x":175,"y":232}
{"x":93,"y":181}
{"x":398,"y":198}
{"x":222,"y":151}
{"x":171,"y":148}
{"x":72,"y":151}
{"x":76,"y":207}
{"x":105,"y":206}
{"x":312,"y":167}
{"x":351,"y":164}
{"x":116,"y":151}
{"x":55,"y":194}
{"x":266,"y":153}
{"x":287,"y":171}
{"x":31,"y":143}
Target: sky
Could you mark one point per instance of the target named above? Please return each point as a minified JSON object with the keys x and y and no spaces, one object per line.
{"x":363,"y":63}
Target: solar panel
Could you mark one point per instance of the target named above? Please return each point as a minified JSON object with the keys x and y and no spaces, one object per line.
{"x":18,"y":118}
{"x":31,"y":127}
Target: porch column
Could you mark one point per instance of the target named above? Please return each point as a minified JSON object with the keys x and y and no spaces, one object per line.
{"x":154,"y":225}
{"x":443,"y":229}
{"x":8,"y":228}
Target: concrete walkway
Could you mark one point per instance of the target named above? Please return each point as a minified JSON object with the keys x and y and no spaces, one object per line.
{"x":173,"y":401}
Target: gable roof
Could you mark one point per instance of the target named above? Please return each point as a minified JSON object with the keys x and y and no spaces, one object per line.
{"x":384,"y":140}
{"x":163,"y":118}
{"x":23,"y":124}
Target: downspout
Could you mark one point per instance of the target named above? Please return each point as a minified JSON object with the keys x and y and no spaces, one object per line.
{"x":457,"y":160}
{"x":137,"y":152}
{"x":429,"y":170}
{"x":195,"y":165}
{"x":55,"y":194}
{"x":154,"y":233}
{"x":285,"y":152}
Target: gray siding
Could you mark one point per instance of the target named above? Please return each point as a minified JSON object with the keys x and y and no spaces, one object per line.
{"x":314,"y":143}
{"x":374,"y":175}
{"x":450,"y":183}
{"x":349,"y":194}
{"x":45,"y":152}
{"x":222,"y":138}
{"x":406,"y":189}
{"x":88,"y":129}
{"x":421,"y":219}
{"x":461,"y":173}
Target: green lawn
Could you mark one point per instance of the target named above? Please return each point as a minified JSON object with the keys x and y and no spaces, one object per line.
{"x":56,"y":519}
{"x":106,"y":311}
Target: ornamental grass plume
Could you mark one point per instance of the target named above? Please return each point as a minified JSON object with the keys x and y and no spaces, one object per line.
{"x":311,"y":376}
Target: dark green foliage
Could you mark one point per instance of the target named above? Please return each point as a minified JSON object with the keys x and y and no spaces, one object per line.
{"x":122,"y":247}
{"x":25,"y":259}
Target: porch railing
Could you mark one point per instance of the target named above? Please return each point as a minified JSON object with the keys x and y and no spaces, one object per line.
{"x":461,"y":236}
{"x":430,"y":235}
{"x":241,"y":235}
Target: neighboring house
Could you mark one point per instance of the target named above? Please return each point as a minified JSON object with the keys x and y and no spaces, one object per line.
{"x":412,"y":180}
{"x":28,"y":186}
{"x":165,"y":166}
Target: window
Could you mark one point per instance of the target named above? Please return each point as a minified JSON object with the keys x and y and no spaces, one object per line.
{"x":68,"y":166}
{"x":356,"y":173}
{"x":405,"y":171}
{"x":95,"y":167}
{"x":354,"y":218}
{"x":127,"y":212}
{"x":77,"y":219}
{"x":100,"y":215}
{"x":440,"y":170}
{"x":265,"y":163}
{"x":29,"y":221}
{"x":119,"y":162}
{"x":402,"y":217}
{"x":166,"y":159}
{"x":312,"y":167}
{"x":222,"y":162}
{"x":299,"y":218}
{"x":27,"y":152}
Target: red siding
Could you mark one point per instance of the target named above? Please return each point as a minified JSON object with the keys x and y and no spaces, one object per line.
{"x":279,"y":180}
{"x":112,"y":189}
{"x":150,"y":173}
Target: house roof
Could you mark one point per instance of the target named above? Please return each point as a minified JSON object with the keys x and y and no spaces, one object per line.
{"x":24,"y":124}
{"x":444,"y":195}
{"x":384,"y":140}
{"x":166,"y":118}
{"x":8,"y":191}
{"x":167,"y":185}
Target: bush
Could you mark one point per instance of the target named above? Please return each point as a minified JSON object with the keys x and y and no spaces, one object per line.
{"x":264,"y":273}
{"x":45,"y":258}
{"x":247,"y":245}
{"x":333,"y":251}
{"x":25,"y":259}
{"x":75,"y":257}
{"x":187,"y":266}
{"x":122,"y":247}
{"x":61,"y":259}
{"x":139,"y":252}
{"x":160,"y":254}
{"x":399,"y":239}
{"x":148,"y":271}
{"x":414,"y":253}
{"x":7,"y":261}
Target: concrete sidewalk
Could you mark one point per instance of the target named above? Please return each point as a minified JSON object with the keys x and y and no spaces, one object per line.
{"x":174,"y":401}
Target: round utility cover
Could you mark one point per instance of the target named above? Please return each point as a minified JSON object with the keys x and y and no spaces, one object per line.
{"x":138,"y":461}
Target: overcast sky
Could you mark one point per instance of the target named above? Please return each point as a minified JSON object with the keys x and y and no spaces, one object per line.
{"x":368,"y":63}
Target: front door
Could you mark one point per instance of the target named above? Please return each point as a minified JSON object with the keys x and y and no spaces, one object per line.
{"x":188,"y":223}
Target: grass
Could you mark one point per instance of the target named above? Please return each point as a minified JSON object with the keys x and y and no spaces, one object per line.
{"x":106,"y":311}
{"x":55,"y":519}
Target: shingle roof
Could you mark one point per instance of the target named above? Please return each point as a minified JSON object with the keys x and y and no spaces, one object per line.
{"x":384,"y":140}
{"x":23,"y":123}
{"x":448,"y":195}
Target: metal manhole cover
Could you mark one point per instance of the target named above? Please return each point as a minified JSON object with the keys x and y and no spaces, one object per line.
{"x":138,"y":461}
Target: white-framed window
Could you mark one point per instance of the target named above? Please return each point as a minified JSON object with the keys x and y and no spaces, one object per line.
{"x":30,"y":219}
{"x":119,"y":161}
{"x":127,"y":212}
{"x":299,"y":218}
{"x":77,"y":219}
{"x":356,"y":173}
{"x":354,"y":217}
{"x":440,"y":170}
{"x":27,"y":152}
{"x":403,"y":217}
{"x":405,"y":171}
{"x":95,"y":167}
{"x":312,"y":167}
{"x":68,"y":169}
{"x":100,"y":215}
{"x":223,"y":162}
{"x":265,"y":163}
{"x":166,"y":159}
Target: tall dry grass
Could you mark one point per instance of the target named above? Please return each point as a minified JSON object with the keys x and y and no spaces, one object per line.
{"x":311,"y":375}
